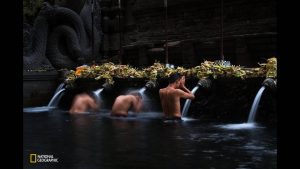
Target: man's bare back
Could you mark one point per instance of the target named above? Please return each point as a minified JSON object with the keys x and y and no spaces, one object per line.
{"x":83,"y":103}
{"x":170,"y":102}
{"x":124,"y":103}
{"x":170,"y":97}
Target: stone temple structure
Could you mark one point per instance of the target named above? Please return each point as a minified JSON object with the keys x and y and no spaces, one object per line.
{"x":64,"y":34}
{"x":135,"y":32}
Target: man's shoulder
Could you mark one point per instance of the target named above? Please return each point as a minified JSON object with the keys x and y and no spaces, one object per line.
{"x":122,"y":96}
{"x":178,"y":90}
{"x":162,"y":89}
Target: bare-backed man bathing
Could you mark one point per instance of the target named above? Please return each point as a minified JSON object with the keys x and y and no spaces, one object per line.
{"x":124,"y":103}
{"x":83,"y":103}
{"x":170,"y":96}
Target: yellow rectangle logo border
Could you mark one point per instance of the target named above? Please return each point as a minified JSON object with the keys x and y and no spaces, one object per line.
{"x":32,"y":158}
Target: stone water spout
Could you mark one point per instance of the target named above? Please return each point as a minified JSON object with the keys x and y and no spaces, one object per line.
{"x":204,"y":83}
{"x":150,"y":84}
{"x":271,"y":83}
{"x":107,"y":86}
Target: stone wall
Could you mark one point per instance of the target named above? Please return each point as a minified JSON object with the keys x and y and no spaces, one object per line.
{"x":249,"y":30}
{"x":137,"y":30}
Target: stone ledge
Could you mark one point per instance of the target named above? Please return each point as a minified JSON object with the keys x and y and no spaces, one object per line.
{"x":40,"y":76}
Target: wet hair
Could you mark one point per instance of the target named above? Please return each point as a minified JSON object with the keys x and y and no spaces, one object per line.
{"x":174,"y":76}
{"x":136,"y":94}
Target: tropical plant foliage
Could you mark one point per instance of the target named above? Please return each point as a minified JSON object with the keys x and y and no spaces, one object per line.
{"x":206,"y":69}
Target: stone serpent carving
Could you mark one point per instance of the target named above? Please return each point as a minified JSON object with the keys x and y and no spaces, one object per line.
{"x":36,"y":55}
{"x":62,"y":37}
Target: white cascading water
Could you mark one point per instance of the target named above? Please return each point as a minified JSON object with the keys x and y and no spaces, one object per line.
{"x":145,"y":99}
{"x":188,"y":102}
{"x":55,"y":99}
{"x":142,"y":91}
{"x":61,"y":86}
{"x":51,"y":105}
{"x":250,"y":123}
{"x":254,"y":107}
{"x":97,"y":94}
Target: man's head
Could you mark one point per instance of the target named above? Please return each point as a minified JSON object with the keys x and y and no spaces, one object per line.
{"x":136,"y":94}
{"x":175,"y":78}
{"x":92,"y":95}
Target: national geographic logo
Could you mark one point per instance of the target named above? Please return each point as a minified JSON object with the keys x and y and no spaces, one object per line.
{"x":32,"y":158}
{"x":42,"y":158}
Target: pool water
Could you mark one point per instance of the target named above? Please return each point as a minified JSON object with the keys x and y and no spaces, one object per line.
{"x":144,"y":141}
